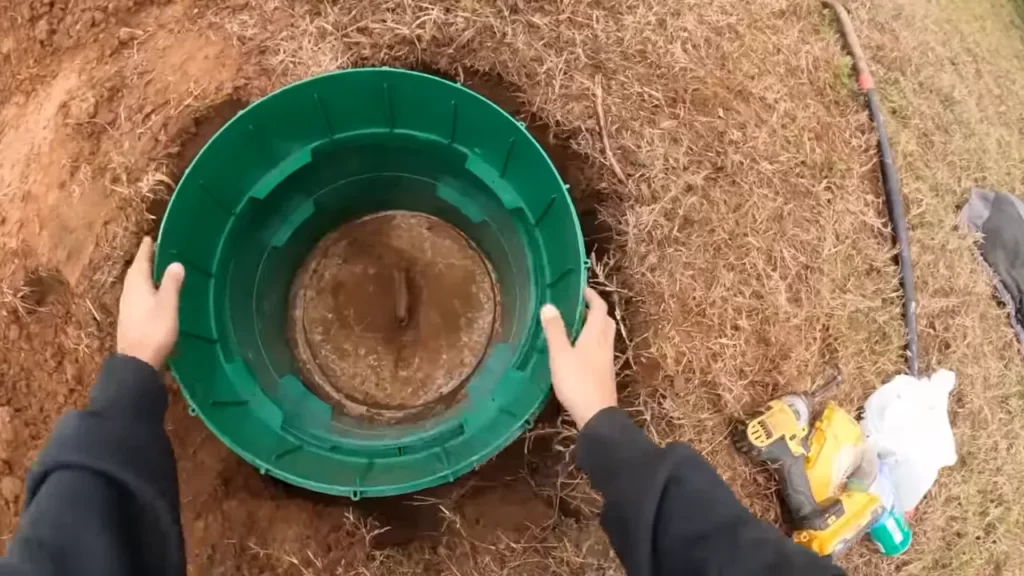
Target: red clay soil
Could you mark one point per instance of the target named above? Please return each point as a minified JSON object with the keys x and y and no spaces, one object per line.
{"x":394,"y":310}
{"x":102,"y":107}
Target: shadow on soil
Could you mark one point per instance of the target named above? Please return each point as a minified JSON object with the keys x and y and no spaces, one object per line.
{"x":576,"y":170}
{"x":45,"y":288}
{"x":194,"y":136}
{"x":518,"y":487}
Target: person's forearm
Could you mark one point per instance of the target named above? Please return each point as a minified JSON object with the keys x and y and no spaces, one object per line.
{"x":105,"y":487}
{"x":667,"y":510}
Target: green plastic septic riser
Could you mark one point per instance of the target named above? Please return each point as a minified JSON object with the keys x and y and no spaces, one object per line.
{"x":294,"y":166}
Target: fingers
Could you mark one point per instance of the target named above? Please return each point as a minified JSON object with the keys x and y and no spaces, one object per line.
{"x":554,"y":330}
{"x":597,"y":308}
{"x":170,"y":288}
{"x":599,"y":323}
{"x":142,"y":266}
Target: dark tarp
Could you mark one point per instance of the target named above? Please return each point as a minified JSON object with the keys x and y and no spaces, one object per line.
{"x":999,"y":218}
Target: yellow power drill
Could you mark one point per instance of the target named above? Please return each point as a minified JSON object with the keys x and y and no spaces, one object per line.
{"x":812,"y":469}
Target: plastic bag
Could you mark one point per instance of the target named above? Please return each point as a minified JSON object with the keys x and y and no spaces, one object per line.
{"x":906,"y":422}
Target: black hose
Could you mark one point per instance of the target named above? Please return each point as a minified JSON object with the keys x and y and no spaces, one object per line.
{"x":890,"y":183}
{"x":894,"y":204}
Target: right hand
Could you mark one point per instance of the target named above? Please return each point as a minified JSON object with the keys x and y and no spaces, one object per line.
{"x":583,"y":375}
{"x":147,"y":320}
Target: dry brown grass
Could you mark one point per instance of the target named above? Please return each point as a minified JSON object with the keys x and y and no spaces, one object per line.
{"x":751,"y":244}
{"x":751,"y":249}
{"x":953,"y":82}
{"x":751,"y":255}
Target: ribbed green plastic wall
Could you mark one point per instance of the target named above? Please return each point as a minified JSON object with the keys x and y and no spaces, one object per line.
{"x":295,"y":165}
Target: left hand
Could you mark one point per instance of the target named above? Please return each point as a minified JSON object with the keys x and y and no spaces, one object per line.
{"x":147,"y":321}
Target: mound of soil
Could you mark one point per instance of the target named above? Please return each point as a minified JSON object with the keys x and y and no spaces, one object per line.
{"x":97,"y":122}
{"x":392,"y":311}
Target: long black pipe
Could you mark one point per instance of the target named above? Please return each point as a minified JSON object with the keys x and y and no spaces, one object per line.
{"x":890,"y":181}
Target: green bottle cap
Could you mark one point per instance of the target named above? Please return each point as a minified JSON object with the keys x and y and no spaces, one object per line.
{"x":891,"y":534}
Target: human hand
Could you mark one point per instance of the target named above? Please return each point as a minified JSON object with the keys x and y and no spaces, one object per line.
{"x":147,"y":322}
{"x":583,"y":375}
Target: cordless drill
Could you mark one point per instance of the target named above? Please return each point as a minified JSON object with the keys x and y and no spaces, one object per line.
{"x":812,"y":470}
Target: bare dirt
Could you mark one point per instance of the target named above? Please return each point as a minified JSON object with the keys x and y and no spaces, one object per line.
{"x":97,"y":123}
{"x":394,"y":310}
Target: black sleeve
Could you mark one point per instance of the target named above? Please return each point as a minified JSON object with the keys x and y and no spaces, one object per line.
{"x":667,"y":511}
{"x":103,"y":496}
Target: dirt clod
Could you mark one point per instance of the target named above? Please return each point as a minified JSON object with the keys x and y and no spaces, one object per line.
{"x":393,"y":310}
{"x":10,"y":488}
{"x":125,"y":35}
{"x":44,"y":30}
{"x":82,"y":109}
{"x":8,"y":431}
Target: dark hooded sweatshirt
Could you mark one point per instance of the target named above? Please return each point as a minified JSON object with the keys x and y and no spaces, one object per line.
{"x":103,"y":497}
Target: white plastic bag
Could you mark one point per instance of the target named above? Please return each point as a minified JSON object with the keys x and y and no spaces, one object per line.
{"x":907,"y":422}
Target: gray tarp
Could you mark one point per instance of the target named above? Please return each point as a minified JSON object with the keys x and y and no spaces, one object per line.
{"x":999,"y":217}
